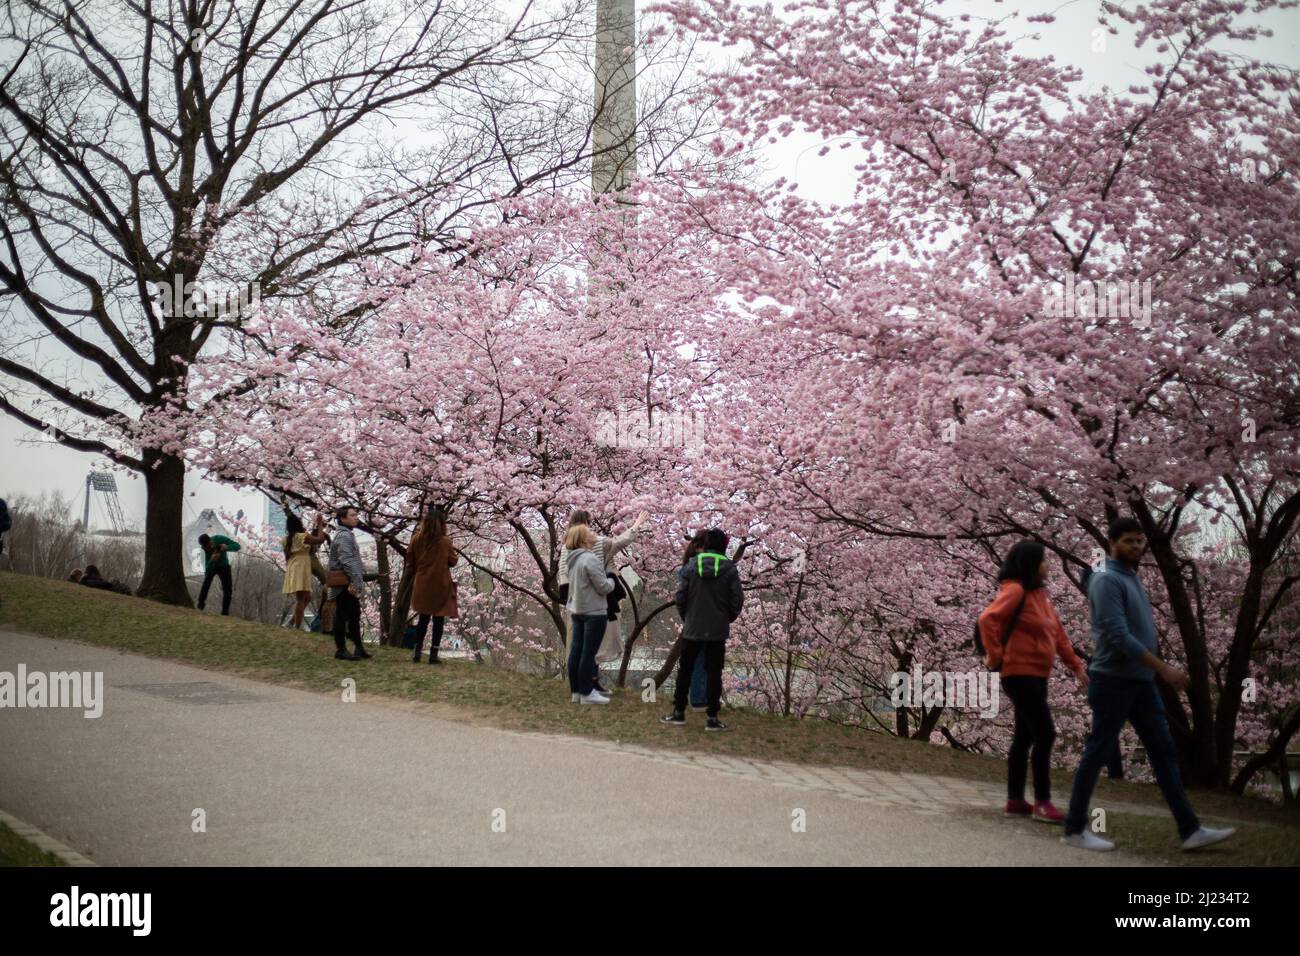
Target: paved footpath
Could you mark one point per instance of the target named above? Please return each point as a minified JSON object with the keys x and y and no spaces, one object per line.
{"x":292,"y":777}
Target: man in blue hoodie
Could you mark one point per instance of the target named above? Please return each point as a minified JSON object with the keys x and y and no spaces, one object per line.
{"x":709,"y":598}
{"x":1122,"y":688}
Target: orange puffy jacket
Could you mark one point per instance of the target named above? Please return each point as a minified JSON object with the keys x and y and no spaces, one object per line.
{"x":1038,"y":636}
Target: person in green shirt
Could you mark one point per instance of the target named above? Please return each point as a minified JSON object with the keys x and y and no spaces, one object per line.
{"x":217,"y":565}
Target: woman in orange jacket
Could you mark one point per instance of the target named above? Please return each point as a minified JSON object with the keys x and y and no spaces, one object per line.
{"x":1022,"y":637}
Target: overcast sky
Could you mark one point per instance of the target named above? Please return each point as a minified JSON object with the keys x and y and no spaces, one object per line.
{"x":30,"y":465}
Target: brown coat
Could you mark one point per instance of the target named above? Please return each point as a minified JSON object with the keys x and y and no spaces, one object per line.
{"x":433,"y":592}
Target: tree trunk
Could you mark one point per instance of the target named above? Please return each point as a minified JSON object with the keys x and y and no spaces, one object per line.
{"x":642,"y":625}
{"x":163,"y":578}
{"x":670,"y":662}
{"x":402,"y":605}
{"x":1238,"y":669}
{"x":1197,"y":753}
{"x":385,"y":595}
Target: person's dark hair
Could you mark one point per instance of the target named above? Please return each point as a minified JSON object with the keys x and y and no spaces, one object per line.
{"x":579,"y":516}
{"x":435,"y":523}
{"x":1122,"y":526}
{"x":694,"y":545}
{"x":341,"y":513}
{"x":292,"y":526}
{"x":91,"y":572}
{"x":715,"y":540}
{"x":205,"y":542}
{"x":1022,"y":563}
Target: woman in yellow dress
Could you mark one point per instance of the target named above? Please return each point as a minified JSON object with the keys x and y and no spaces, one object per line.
{"x":297,"y":544}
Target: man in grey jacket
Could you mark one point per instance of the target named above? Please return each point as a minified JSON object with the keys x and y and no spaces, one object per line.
{"x":345,"y":556}
{"x":1122,"y":689}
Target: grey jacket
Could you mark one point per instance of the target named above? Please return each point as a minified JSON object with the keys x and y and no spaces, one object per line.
{"x":346,"y":556}
{"x":588,"y":584}
{"x":606,"y":549}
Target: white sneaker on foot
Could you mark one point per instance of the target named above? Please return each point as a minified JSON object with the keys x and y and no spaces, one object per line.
{"x":595,"y":697}
{"x":1207,"y":836}
{"x":1087,"y":841}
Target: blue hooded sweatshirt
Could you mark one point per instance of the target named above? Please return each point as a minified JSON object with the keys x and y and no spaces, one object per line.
{"x":1123,"y":627}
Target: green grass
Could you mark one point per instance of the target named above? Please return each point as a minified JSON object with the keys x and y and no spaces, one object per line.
{"x":1155,"y":838}
{"x":481,"y":694}
{"x":15,"y":851}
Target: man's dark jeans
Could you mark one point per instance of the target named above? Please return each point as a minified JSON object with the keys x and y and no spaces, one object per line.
{"x":1115,"y":700}
{"x":221,"y":571}
{"x":700,"y":683}
{"x":586,"y":633}
{"x":347,"y":620}
{"x":714,"y":653}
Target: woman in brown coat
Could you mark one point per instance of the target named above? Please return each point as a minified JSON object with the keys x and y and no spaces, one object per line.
{"x":433,"y":593}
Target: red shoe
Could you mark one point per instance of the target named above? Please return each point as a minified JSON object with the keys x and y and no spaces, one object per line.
{"x":1044,"y":812}
{"x":1018,"y":808}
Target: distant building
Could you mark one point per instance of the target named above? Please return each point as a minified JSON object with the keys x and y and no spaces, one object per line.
{"x":276,"y":520}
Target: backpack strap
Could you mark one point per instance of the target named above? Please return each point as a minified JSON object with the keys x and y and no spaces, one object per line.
{"x":1015,"y":619}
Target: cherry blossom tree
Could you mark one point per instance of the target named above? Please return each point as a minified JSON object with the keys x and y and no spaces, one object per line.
{"x":1044,"y":306}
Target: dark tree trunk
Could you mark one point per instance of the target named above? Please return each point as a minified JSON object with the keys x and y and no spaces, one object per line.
{"x":1238,"y":669}
{"x":1196,"y":752}
{"x":401,"y":605}
{"x":642,"y":624}
{"x":670,"y":662}
{"x":164,"y":574}
{"x":385,"y":596}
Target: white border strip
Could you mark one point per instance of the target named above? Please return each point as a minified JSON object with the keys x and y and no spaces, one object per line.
{"x":44,"y":841}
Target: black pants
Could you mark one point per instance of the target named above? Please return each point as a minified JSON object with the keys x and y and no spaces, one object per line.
{"x":714,"y":654}
{"x":347,"y":620}
{"x":227,"y":586}
{"x":435,"y":641}
{"x":1034,"y":735}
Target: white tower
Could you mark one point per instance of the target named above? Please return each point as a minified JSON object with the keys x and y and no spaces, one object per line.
{"x":614,"y":135}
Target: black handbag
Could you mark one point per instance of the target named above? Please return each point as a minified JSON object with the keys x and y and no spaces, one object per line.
{"x":615,"y":597}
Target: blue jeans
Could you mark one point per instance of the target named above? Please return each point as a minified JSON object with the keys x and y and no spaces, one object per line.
{"x":585,"y":634}
{"x":699,"y":684}
{"x":1115,"y":700}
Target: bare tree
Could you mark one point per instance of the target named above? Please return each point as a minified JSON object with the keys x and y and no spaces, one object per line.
{"x":264,"y":147}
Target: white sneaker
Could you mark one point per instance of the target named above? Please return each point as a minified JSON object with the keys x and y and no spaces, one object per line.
{"x":595,"y":697}
{"x":1207,"y":836}
{"x":575,"y":697}
{"x":1087,"y":841}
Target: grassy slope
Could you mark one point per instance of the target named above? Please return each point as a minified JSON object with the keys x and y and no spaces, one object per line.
{"x":474,"y":693}
{"x":15,"y":851}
